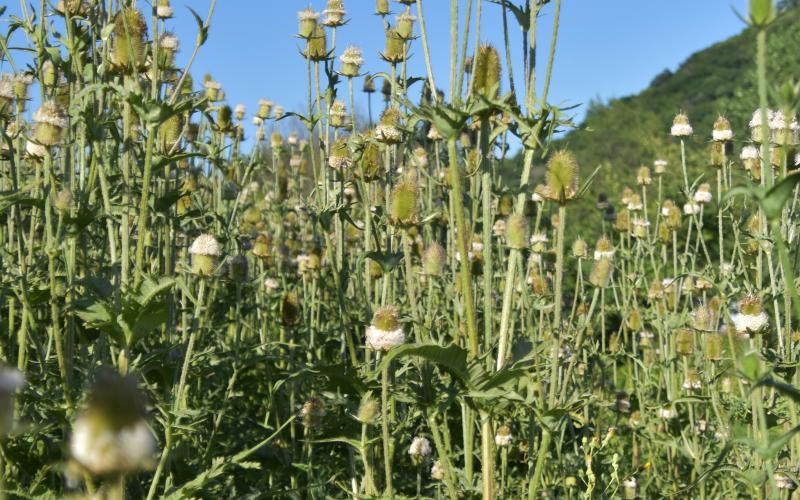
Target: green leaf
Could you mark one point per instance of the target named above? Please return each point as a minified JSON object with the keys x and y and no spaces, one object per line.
{"x":387,"y":260}
{"x":452,"y":359}
{"x":202,"y":34}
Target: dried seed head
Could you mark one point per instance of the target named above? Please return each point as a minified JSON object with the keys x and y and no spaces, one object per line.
{"x":486,"y":80}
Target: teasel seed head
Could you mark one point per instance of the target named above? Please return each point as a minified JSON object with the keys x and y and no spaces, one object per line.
{"x":433,"y":260}
{"x":352,"y":60}
{"x":334,"y":14}
{"x":403,"y":211}
{"x":404,"y":26}
{"x":517,"y":231}
{"x":317,"y":45}
{"x":63,"y":201}
{"x":340,"y":158}
{"x":308,"y":23}
{"x":313,"y":411}
{"x":684,"y":342}
{"x":385,"y":331}
{"x":562,"y":177}
{"x":601,"y":273}
{"x":486,"y":79}
{"x":261,"y":246}
{"x":338,"y":115}
{"x":130,"y":32}
{"x":205,"y":251}
{"x":681,"y":126}
{"x":264,"y":109}
{"x":368,"y":410}
{"x":51,"y":123}
{"x":395,"y":51}
{"x":722,"y":130}
{"x":580,"y":249}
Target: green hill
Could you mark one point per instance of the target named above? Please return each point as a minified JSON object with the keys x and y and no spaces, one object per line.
{"x":624,"y":133}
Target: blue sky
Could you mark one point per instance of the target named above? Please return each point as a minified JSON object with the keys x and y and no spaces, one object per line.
{"x":605,"y":49}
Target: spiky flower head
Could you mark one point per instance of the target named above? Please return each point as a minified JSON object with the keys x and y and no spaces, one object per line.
{"x":388,"y":131}
{"x":681,"y":126}
{"x":385,"y":332}
{"x":420,"y":449}
{"x":205,"y":251}
{"x":437,"y":471}
{"x":751,"y":317}
{"x":338,"y":114}
{"x":382,"y":7}
{"x":503,"y":436}
{"x":352,"y":59}
{"x":629,"y":488}
{"x":660,"y":166}
{"x":111,"y":435}
{"x":643,"y":177}
{"x":63,"y":201}
{"x":756,"y":131}
{"x":130,"y":32}
{"x":340,"y":157}
{"x":403,"y":209}
{"x":538,"y":242}
{"x":516,"y":231}
{"x":368,"y":409}
{"x":601,"y":272}
{"x":404,"y":25}
{"x":164,"y":9}
{"x":580,"y":249}
{"x":703,"y":194}
{"x":486,"y":77}
{"x":51,"y":122}
{"x":395,"y":50}
{"x":722,"y":130}
{"x":317,"y":45}
{"x":313,"y":411}
{"x":604,"y":249}
{"x":433,"y":260}
{"x":691,"y":208}
{"x":334,"y":14}
{"x":562,"y":177}
{"x":308,"y":23}
{"x":264,"y":109}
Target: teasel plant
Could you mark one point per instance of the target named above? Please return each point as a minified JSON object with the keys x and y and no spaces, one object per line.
{"x":380,"y":309}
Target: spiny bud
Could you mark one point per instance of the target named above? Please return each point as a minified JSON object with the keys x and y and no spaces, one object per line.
{"x":580,"y":249}
{"x":338,"y":114}
{"x":370,"y":161}
{"x":505,"y":205}
{"x":170,"y":131}
{"x":368,"y":409}
{"x":403,"y":209}
{"x":433,"y":260}
{"x":562,"y":177}
{"x":351,"y":60}
{"x":340,"y":157}
{"x":382,"y":7}
{"x":643,"y":176}
{"x":51,"y":123}
{"x":317,"y":45}
{"x":130,"y":30}
{"x":601,"y":272}
{"x":388,"y":131}
{"x":684,"y":342}
{"x":205,"y":252}
{"x":308,"y":23}
{"x":386,"y":318}
{"x":486,"y":80}
{"x":713,"y":346}
{"x":395,"y":51}
{"x":63,"y":201}
{"x":517,"y":231}
{"x":404,"y":26}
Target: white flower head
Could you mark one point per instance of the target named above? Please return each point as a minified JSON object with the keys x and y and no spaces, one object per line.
{"x":681,"y":126}
{"x":352,"y":55}
{"x":745,"y":323}
{"x":667,"y":413}
{"x":420,"y":447}
{"x":52,"y":114}
{"x":691,"y":208}
{"x":503,"y":437}
{"x":755,"y":121}
{"x":385,"y":332}
{"x":784,"y":482}
{"x":103,"y":450}
{"x":205,"y":244}
{"x":703,"y":194}
{"x":170,"y":42}
{"x":437,"y":471}
{"x":749,"y":153}
{"x":722,"y":135}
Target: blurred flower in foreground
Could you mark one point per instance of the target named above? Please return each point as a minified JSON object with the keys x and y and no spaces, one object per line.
{"x":11,"y":380}
{"x":111,"y":436}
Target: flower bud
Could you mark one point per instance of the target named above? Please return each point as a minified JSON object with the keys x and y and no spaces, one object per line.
{"x":433,"y":260}
{"x":486,"y":80}
{"x":562,"y":177}
{"x":684,"y":342}
{"x":130,"y":31}
{"x":63,"y":201}
{"x":368,"y":409}
{"x":351,"y":60}
{"x":405,"y":26}
{"x":601,"y":272}
{"x":317,"y":45}
{"x":713,"y":341}
{"x":517,"y":232}
{"x":395,"y":51}
{"x":308,"y":23}
{"x":403,"y":208}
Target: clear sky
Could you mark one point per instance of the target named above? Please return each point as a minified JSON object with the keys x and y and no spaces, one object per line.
{"x":605,"y":49}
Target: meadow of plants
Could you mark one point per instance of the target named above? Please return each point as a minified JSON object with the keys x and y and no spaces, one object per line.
{"x":196,"y":304}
